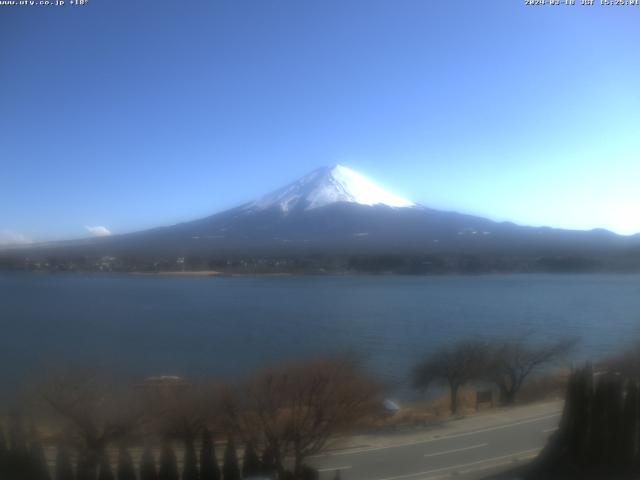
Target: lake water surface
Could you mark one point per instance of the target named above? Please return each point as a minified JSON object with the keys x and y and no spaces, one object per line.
{"x":225,"y":327}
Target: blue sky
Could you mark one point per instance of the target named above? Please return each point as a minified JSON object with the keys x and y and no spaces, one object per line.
{"x":132,"y":114}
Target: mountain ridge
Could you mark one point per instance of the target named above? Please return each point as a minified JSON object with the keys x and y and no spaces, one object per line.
{"x":334,"y":212}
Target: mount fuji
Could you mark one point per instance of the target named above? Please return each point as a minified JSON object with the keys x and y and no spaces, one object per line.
{"x":325,"y":186}
{"x":337,"y":215}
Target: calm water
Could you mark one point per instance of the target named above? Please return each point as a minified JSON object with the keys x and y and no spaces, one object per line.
{"x":225,"y":327}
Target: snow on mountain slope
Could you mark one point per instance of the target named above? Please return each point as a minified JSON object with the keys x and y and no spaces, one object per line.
{"x":325,"y":186}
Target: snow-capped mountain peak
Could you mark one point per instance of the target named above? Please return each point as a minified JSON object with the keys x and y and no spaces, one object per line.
{"x":325,"y":186}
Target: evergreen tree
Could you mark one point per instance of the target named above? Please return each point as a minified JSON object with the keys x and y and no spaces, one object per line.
{"x":39,"y":470}
{"x":598,"y":423}
{"x":17,"y":460}
{"x":64,"y":469}
{"x":630,"y":426}
{"x":578,"y":406}
{"x":309,"y":473}
{"x":3,"y":453}
{"x":230,"y":468}
{"x":148,"y":469}
{"x":268,"y":463}
{"x":17,"y":435}
{"x":190,"y":463}
{"x":209,"y":469}
{"x":250,"y":463}
{"x":105,"y":472}
{"x":636,"y":433}
{"x":168,"y":464}
{"x":126,"y":470}
{"x":613,"y":447}
{"x":598,"y":435}
{"x":87,"y":467}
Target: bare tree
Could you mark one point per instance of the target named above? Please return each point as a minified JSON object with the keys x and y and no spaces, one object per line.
{"x":453,"y":366}
{"x":92,"y":409}
{"x":511,"y":362}
{"x":297,"y":408}
{"x":183,"y":415}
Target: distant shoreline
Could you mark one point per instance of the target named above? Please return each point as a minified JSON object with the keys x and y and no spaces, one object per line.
{"x":189,"y":273}
{"x":222,"y":274}
{"x":206,"y":273}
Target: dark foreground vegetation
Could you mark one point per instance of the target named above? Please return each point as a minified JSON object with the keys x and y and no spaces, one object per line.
{"x":599,"y":433}
{"x":80,"y":426}
{"x":166,"y":429}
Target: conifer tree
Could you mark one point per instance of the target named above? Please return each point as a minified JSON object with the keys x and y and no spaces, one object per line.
{"x":629,"y":438}
{"x":126,"y":470}
{"x":599,"y":430}
{"x":268,"y":463}
{"x":190,"y":462}
{"x":86,"y":468}
{"x":105,"y":472}
{"x":615,"y":448}
{"x":309,"y":473}
{"x":17,"y":459}
{"x":230,"y":468}
{"x":168,"y":464}
{"x":39,"y":470}
{"x":636,"y":460}
{"x":17,"y":435}
{"x":578,"y":404}
{"x":598,"y":423}
{"x":250,"y":463}
{"x":64,"y":469}
{"x":148,"y":469}
{"x":3,"y":453}
{"x":209,"y":469}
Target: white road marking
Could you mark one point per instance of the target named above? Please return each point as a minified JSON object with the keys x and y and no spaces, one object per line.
{"x":333,"y":469}
{"x":514,"y":455}
{"x":549,"y":430}
{"x":509,"y":461}
{"x":480,"y":445}
{"x":440,"y":438}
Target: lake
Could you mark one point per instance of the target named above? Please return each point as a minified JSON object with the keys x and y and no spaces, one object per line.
{"x":225,"y":327}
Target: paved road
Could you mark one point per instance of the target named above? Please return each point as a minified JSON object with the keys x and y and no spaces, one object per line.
{"x":467,"y":449}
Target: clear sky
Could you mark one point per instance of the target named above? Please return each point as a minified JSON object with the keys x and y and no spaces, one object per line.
{"x":128,"y":114}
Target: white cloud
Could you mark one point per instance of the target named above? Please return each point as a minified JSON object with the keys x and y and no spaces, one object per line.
{"x":8,"y":237}
{"x":98,"y":231}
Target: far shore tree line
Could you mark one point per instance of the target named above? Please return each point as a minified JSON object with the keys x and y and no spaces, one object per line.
{"x":434,"y":263}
